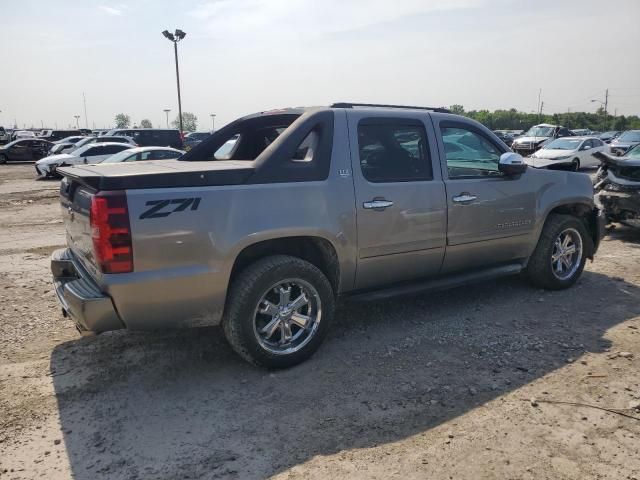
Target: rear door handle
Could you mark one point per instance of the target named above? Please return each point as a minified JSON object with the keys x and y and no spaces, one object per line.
{"x":377,"y":204}
{"x":464,"y":198}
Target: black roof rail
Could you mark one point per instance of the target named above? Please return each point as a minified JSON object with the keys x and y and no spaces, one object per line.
{"x":381,"y":105}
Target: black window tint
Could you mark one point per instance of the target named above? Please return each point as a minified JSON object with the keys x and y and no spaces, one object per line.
{"x":393,"y":152}
{"x":164,"y":154}
{"x":92,"y":152}
{"x":469,"y":154}
{"x":111,"y":149}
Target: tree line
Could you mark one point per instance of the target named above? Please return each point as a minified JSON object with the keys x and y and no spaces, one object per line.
{"x":189,"y":122}
{"x":514,"y":120}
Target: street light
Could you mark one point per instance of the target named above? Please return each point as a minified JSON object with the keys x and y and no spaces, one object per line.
{"x":166,"y":111}
{"x":175,"y":38}
{"x":77,"y":123}
{"x":213,"y":118}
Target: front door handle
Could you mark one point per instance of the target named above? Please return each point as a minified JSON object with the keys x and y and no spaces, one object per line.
{"x":464,"y":198}
{"x":377,"y":204}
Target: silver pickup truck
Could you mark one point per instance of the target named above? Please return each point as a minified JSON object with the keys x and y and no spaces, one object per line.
{"x":264,"y":226}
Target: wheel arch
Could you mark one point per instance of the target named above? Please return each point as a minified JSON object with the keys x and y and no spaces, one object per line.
{"x":584,"y":211}
{"x":316,"y":250}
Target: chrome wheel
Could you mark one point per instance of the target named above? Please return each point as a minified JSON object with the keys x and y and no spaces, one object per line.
{"x":567,"y":254}
{"x":287,"y":316}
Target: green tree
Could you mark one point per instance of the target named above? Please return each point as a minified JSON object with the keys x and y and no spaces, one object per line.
{"x":145,"y":123}
{"x":457,"y":109}
{"x":122,"y":120}
{"x":189,"y":122}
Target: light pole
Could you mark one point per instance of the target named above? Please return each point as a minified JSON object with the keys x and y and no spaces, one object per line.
{"x":213,"y":119}
{"x":175,"y":38}
{"x":166,"y":112}
{"x":77,"y":117}
{"x":605,"y":104}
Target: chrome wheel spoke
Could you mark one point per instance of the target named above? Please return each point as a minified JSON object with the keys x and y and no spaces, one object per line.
{"x":570,"y":250}
{"x":300,"y":320}
{"x":270,"y":328}
{"x":566,"y":256}
{"x":285,"y":332}
{"x":269,"y":308}
{"x":285,"y":295}
{"x":299,"y":302}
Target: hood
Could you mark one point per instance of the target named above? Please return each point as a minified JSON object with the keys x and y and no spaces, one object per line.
{"x":53,"y":159}
{"x":537,"y":162}
{"x":553,"y":153}
{"x":530,"y":139}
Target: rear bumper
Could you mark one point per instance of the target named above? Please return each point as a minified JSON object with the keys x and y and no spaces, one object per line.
{"x":81,"y":299}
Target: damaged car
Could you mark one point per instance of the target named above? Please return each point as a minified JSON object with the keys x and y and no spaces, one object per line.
{"x":617,"y":186}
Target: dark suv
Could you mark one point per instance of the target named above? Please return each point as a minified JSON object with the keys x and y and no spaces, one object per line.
{"x":151,"y":137}
{"x":56,"y":135}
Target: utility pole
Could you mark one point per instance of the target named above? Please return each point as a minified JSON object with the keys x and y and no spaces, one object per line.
{"x":166,"y":112}
{"x":540,"y":112}
{"x":606,"y":104}
{"x":84,"y":100}
{"x":539,"y":107}
{"x":213,"y":118}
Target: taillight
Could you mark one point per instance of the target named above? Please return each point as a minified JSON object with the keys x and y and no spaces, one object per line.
{"x":111,"y":232}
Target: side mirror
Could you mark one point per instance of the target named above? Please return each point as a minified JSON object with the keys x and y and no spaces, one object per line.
{"x":511,"y":164}
{"x":586,"y":147}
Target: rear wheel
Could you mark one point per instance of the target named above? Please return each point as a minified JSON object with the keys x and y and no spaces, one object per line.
{"x":3,"y":159}
{"x":278,"y":311}
{"x":560,"y":255}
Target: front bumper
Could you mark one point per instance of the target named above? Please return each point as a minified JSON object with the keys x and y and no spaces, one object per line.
{"x":81,"y":299}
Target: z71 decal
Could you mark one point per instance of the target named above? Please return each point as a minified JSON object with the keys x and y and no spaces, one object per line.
{"x":164,"y":208}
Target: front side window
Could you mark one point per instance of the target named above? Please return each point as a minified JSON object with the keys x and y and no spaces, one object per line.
{"x":469,"y":154}
{"x":393,"y":152}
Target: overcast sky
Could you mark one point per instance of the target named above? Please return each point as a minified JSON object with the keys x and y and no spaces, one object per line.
{"x":243,"y":56}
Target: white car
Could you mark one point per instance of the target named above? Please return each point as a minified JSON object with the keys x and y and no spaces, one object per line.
{"x":144,"y":153}
{"x":568,"y":152}
{"x":91,"y":153}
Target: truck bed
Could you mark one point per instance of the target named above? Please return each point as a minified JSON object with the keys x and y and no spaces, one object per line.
{"x":159,"y":174}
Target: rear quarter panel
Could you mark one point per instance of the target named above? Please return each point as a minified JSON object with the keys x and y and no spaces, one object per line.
{"x":183,"y":261}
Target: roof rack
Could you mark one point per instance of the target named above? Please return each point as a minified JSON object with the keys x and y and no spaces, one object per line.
{"x":381,"y":105}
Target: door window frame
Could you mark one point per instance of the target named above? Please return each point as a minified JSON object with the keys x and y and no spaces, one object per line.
{"x":472,"y":128}
{"x":397,"y":122}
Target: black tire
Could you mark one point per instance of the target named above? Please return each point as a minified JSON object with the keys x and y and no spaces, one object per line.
{"x":3,"y":159}
{"x":540,"y":270}
{"x":245,"y":295}
{"x":575,"y":165}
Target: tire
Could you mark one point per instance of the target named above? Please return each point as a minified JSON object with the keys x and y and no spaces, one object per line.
{"x":257,"y":291}
{"x":542,"y":270}
{"x":3,"y":159}
{"x":575,"y":165}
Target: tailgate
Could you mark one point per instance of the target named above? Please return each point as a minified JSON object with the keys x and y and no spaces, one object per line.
{"x":75,"y":202}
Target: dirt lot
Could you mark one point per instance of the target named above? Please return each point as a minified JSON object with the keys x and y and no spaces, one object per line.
{"x":437,"y":386}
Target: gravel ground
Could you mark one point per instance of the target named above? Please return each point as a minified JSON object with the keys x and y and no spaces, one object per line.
{"x":460,"y":384}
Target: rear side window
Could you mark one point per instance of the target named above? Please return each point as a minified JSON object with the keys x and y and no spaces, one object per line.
{"x":391,"y":151}
{"x":110,"y":149}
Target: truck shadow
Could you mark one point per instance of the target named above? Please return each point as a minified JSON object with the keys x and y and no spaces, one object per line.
{"x":182,"y":405}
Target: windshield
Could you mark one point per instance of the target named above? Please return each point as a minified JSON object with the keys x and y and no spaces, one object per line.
{"x":633,"y":153}
{"x":538,"y":131}
{"x":119,"y":157}
{"x":84,"y":142}
{"x":630,"y":136}
{"x":563,"y":144}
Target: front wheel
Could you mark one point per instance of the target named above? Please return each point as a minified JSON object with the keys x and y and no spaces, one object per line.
{"x":279,"y":310}
{"x":575,"y":165}
{"x":559,"y":257}
{"x":3,"y":159}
